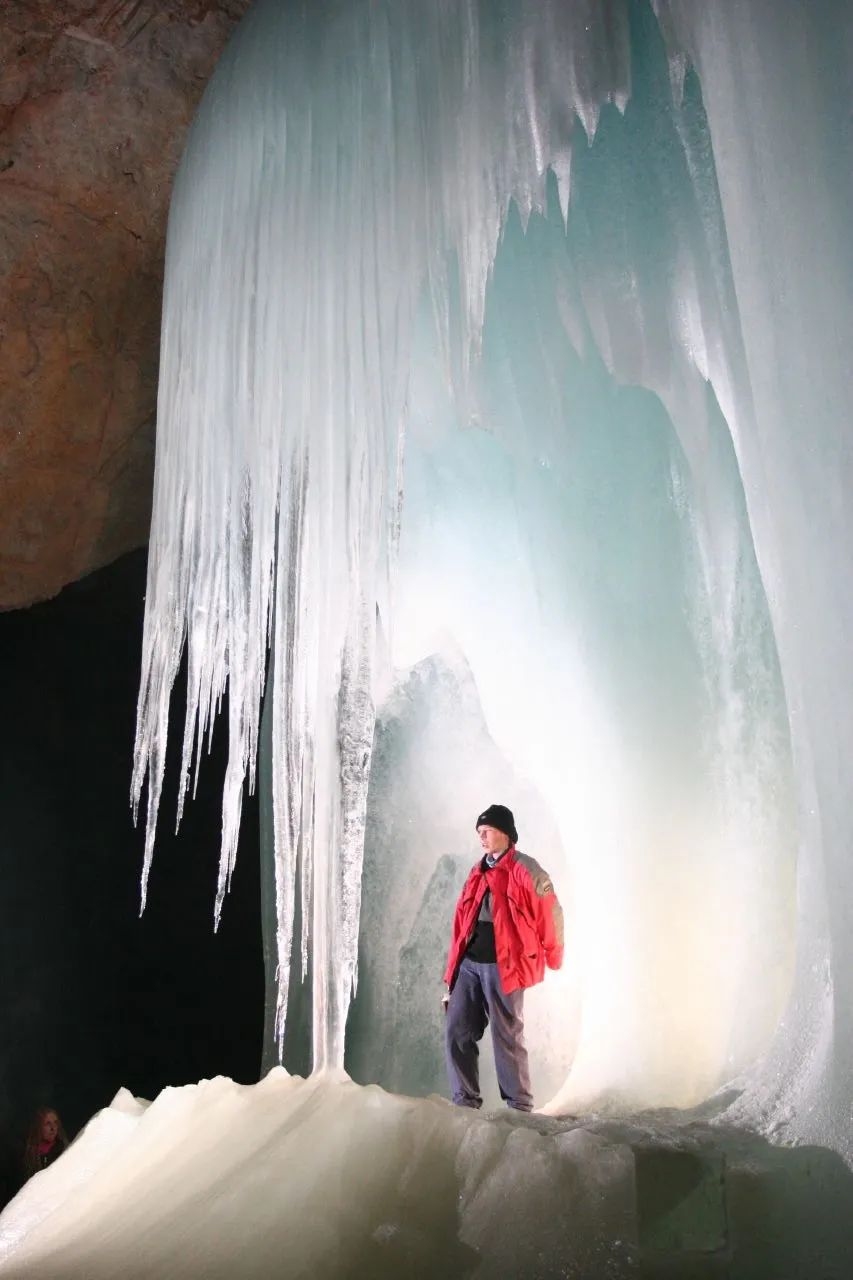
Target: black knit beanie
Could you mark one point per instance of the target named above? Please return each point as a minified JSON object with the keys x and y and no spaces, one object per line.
{"x":499,"y":817}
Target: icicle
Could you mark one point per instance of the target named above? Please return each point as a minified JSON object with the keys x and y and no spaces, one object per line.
{"x":283,"y":386}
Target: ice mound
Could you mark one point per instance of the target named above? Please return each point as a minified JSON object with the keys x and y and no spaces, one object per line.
{"x":320,"y":1178}
{"x":326,"y":1179}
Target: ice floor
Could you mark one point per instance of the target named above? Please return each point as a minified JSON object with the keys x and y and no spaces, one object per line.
{"x":324,"y":1178}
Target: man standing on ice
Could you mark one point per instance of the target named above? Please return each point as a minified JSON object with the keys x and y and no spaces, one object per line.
{"x":507,"y":927}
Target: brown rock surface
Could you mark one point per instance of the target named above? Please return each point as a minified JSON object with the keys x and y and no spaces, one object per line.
{"x":95,"y":100}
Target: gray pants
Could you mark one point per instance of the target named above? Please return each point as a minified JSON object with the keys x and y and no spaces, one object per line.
{"x":477,"y":1000}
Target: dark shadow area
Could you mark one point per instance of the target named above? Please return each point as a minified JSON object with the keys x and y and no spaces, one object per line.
{"x":790,"y":1212}
{"x":93,"y":997}
{"x":725,"y":1203}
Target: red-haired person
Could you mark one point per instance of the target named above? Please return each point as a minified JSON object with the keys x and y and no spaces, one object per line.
{"x":46,"y":1141}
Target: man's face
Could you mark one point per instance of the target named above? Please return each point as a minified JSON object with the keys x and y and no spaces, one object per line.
{"x":491,"y":840}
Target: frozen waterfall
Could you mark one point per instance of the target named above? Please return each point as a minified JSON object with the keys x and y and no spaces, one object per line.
{"x":503,"y":398}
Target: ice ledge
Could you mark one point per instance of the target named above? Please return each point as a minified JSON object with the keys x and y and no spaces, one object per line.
{"x":326,"y":1178}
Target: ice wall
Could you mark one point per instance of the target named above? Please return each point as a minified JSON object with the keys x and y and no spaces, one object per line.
{"x":510,"y":237}
{"x":773,"y":77}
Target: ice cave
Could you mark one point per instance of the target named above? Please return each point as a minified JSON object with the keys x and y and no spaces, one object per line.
{"x":503,"y":452}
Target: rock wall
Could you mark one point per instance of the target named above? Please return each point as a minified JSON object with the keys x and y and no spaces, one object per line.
{"x":95,"y":100}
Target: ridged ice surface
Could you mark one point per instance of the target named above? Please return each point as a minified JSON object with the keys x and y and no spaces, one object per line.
{"x":292,"y":1178}
{"x":522,"y":330}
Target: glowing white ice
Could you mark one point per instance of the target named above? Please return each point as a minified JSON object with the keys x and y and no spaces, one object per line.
{"x":291,"y":1178}
{"x":320,"y":1178}
{"x":347,"y":270}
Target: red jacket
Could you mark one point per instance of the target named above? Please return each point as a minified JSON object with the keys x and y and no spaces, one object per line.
{"x":528,"y":920}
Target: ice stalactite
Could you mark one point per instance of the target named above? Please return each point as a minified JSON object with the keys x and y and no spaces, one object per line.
{"x":324,"y":185}
{"x":432,"y":262}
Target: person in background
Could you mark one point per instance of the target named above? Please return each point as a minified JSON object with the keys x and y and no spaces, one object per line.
{"x":507,"y":927}
{"x":46,"y":1140}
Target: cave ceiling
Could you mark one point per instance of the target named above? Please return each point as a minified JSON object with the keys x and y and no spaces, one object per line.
{"x":95,"y":102}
